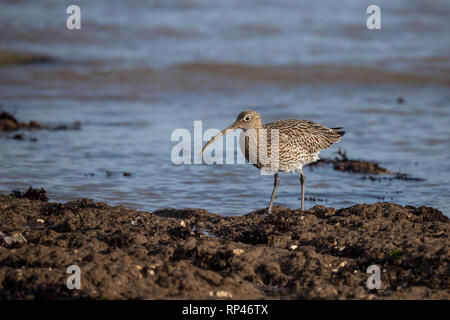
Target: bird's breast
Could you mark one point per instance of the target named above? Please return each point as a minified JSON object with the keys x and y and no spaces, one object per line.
{"x":258,"y":146}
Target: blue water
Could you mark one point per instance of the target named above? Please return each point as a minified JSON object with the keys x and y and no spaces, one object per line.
{"x":136,"y":72}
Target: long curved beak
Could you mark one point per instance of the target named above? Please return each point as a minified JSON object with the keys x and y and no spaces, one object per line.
{"x":217,"y":136}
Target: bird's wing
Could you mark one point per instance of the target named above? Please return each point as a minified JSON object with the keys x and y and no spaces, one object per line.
{"x":305,"y":135}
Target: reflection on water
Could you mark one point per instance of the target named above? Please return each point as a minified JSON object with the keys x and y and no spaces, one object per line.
{"x":137,"y":71}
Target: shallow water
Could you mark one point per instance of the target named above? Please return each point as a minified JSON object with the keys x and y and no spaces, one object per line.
{"x":136,"y":72}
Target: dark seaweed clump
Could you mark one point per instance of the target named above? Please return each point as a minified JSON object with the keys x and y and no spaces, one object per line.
{"x":343,"y":163}
{"x":31,"y":194}
{"x":320,"y":253}
{"x":9,"y":122}
{"x":372,"y":169}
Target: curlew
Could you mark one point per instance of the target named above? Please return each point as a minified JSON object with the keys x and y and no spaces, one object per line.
{"x":281,"y":146}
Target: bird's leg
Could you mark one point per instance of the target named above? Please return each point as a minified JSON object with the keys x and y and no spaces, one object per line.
{"x":275,"y":187}
{"x":303,"y":182}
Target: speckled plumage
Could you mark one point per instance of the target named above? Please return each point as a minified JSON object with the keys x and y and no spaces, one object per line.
{"x":283,"y":145}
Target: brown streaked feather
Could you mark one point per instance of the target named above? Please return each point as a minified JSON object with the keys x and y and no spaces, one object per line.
{"x":300,"y":142}
{"x":304,"y":134}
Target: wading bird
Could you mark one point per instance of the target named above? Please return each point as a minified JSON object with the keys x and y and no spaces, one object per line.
{"x":283,"y":145}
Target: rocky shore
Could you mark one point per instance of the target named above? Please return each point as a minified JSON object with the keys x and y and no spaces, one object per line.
{"x":322,"y":253}
{"x":9,"y":123}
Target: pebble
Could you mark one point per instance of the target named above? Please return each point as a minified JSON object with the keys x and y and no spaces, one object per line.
{"x":293,"y":247}
{"x":15,"y":238}
{"x":238,"y":252}
{"x":221,"y":294}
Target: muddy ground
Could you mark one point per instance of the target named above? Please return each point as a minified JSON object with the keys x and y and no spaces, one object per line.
{"x":194,"y":254}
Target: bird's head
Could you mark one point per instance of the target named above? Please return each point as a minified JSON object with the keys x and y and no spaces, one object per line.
{"x":247,"y":119}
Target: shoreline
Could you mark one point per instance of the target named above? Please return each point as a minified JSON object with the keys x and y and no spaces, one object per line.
{"x":321,"y":253}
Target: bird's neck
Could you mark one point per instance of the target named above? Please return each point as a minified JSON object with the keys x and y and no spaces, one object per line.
{"x":258,"y":126}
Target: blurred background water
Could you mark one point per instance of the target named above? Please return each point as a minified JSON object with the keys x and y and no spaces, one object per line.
{"x":138,"y":70}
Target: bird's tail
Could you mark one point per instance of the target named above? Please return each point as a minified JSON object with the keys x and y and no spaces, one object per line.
{"x":339,"y":131}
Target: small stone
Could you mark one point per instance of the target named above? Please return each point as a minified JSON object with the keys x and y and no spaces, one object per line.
{"x":342,"y":264}
{"x":15,"y":238}
{"x":224,"y":294}
{"x":182,"y":223}
{"x":238,"y":252}
{"x":293,"y":247}
{"x":40,"y":220}
{"x":138,"y":267}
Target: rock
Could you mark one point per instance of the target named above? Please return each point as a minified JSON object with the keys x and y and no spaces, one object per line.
{"x":31,"y":194}
{"x":7,"y":125}
{"x":20,"y":58}
{"x":18,"y":136}
{"x":34,"y":125}
{"x":158,"y":258}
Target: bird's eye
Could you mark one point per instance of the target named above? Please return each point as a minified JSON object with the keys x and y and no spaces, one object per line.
{"x":247,"y":118}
